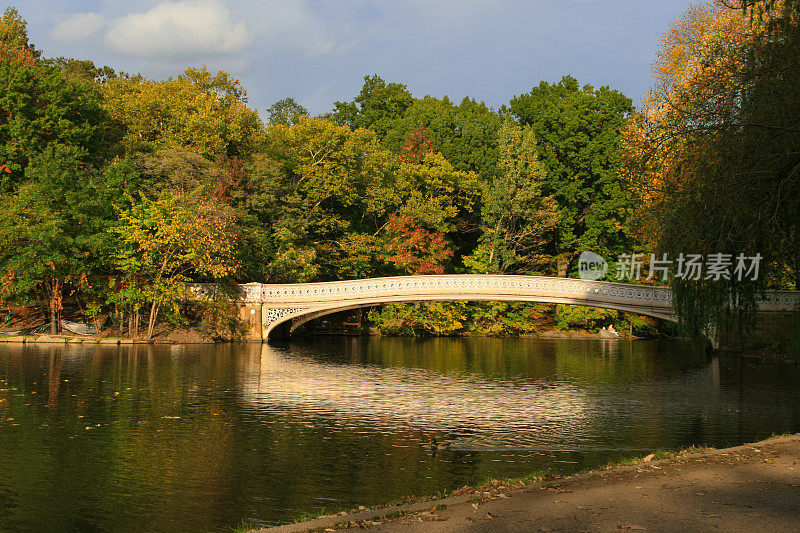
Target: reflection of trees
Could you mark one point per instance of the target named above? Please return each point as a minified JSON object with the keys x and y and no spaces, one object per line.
{"x":53,"y":376}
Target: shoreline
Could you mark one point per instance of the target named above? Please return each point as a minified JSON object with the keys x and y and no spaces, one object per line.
{"x":688,"y":490}
{"x":191,"y":337}
{"x":73,"y":339}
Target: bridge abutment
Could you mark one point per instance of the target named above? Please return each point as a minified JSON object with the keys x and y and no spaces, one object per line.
{"x":769,"y":327}
{"x":250,"y":314}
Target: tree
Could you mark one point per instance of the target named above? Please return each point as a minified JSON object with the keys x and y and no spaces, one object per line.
{"x":418,"y":145}
{"x":38,"y":108}
{"x":713,"y":154}
{"x":52,"y":230}
{"x":197,"y":111}
{"x":166,"y":241}
{"x":286,"y":112}
{"x":413,"y":248}
{"x":465,"y":134}
{"x":316,"y":184}
{"x":81,"y":70}
{"x":518,"y":219}
{"x":578,"y":131}
{"x":176,"y":169}
{"x":435,"y":194}
{"x":379,"y":106}
{"x":14,"y":38}
{"x":34,"y":250}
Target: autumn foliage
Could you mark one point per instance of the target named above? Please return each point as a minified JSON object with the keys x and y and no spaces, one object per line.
{"x":415,"y":249}
{"x":419,"y":144}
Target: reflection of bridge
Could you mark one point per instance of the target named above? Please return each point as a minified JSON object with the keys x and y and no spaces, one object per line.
{"x":287,"y":306}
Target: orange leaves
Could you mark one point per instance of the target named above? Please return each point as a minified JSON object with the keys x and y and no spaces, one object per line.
{"x":415,"y":249}
{"x":673,"y":135}
{"x":7,"y":281}
{"x":417,"y":145}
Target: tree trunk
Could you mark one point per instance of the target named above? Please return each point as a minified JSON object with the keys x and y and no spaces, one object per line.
{"x":55,"y":305}
{"x":797,"y":272}
{"x":152,"y":322}
{"x":562,"y":262}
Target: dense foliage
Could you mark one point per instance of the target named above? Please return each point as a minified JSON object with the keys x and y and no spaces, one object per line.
{"x":115,"y":189}
{"x":714,"y":154}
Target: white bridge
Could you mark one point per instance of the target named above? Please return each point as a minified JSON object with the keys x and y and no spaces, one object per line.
{"x":269,"y":306}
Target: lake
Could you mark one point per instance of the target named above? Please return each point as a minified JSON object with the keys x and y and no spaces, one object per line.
{"x":180,"y":437}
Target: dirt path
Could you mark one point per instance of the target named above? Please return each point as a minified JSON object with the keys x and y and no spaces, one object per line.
{"x":755,"y":487}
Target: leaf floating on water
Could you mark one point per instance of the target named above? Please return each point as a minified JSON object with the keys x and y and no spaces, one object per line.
{"x":171,"y":417}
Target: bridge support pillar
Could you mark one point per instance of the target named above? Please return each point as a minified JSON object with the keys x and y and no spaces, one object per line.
{"x":250,"y":314}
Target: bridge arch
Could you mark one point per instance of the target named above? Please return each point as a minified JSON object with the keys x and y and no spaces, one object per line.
{"x":291,"y":305}
{"x":299,"y":318}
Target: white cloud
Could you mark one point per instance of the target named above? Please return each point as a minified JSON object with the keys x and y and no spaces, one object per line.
{"x":78,"y":27}
{"x":178,"y":29}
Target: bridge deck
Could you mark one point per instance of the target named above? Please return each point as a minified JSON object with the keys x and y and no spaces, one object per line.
{"x":300,"y":302}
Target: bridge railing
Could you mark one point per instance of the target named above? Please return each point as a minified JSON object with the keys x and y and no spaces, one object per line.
{"x":479,"y":286}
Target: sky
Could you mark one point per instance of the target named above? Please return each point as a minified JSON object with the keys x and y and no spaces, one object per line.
{"x":318,"y":51}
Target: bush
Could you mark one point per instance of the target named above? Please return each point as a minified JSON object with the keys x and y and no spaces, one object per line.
{"x":586,"y":318}
{"x":216,"y":314}
{"x":507,"y":319}
{"x":219,"y":319}
{"x":430,"y":318}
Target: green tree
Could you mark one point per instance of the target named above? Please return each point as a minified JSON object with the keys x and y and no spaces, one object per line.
{"x":379,"y":106}
{"x":578,"y":132}
{"x":35,"y":246}
{"x":518,"y":219}
{"x":52,"y":230}
{"x":316,"y":183}
{"x":465,"y":134}
{"x":38,"y":108}
{"x":285,"y":112}
{"x":81,"y":70}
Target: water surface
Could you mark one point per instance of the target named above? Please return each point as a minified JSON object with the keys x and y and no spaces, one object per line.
{"x":166,"y":438}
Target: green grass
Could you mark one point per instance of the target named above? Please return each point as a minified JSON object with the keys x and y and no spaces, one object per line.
{"x":244,"y":526}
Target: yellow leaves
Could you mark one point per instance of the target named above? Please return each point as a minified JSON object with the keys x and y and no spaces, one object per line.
{"x":180,"y":233}
{"x":195,"y":111}
{"x":697,"y":72}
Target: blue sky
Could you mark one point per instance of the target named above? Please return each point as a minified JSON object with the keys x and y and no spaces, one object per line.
{"x":317,"y":51}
